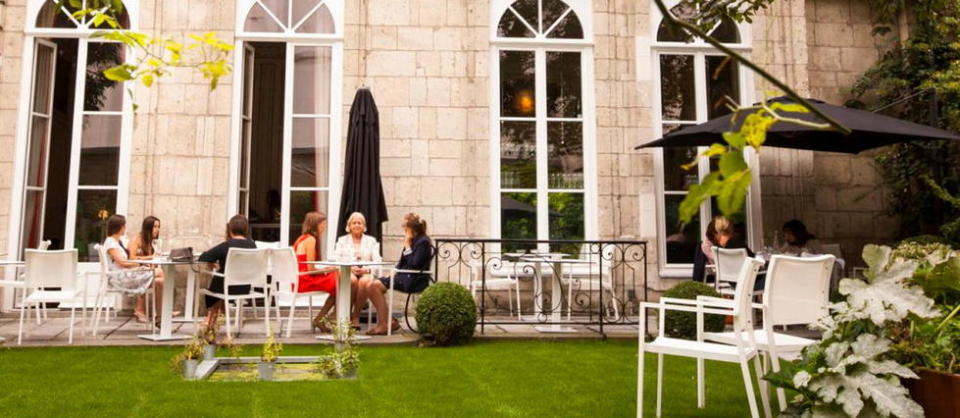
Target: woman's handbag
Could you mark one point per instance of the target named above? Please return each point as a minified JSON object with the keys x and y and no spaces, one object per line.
{"x":181,"y":254}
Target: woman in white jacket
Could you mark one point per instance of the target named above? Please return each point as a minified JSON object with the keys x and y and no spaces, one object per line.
{"x":357,"y":246}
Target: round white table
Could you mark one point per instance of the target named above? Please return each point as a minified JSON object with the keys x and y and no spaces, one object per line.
{"x":343,"y":283}
{"x":556,"y":261}
{"x":166,"y":312}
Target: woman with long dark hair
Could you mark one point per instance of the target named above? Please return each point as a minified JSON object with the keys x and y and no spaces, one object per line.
{"x":134,"y":279}
{"x":142,"y":247}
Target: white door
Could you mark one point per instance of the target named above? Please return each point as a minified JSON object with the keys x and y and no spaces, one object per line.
{"x":246,"y":128}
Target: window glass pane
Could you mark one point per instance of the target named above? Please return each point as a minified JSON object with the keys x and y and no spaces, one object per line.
{"x":279,"y":8}
{"x":301,"y":8}
{"x":300,"y":204}
{"x":552,"y":10}
{"x":39,"y":147}
{"x":568,"y":28}
{"x":723,"y":80}
{"x":103,"y":94}
{"x":517,"y":88}
{"x":566,"y":221}
{"x":311,"y":80}
{"x":32,"y":219}
{"x":320,"y":21}
{"x":100,"y":150}
{"x":677,"y":88}
{"x":680,"y":244}
{"x":565,"y":158}
{"x":93,"y":209}
{"x":670,"y":33}
{"x":311,"y":152}
{"x":259,"y":21}
{"x":43,"y":88}
{"x":675,"y":178}
{"x":518,"y":155}
{"x":245,"y":153}
{"x":563,"y":85}
{"x":529,"y":10}
{"x":242,"y":205}
{"x":511,"y":26}
{"x":518,"y":219}
{"x":726,"y":31}
{"x":51,"y":16}
{"x":248,"y":71}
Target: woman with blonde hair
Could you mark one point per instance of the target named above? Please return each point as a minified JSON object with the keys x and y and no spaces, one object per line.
{"x":416,"y":256}
{"x":358,"y":246}
{"x":319,"y":279}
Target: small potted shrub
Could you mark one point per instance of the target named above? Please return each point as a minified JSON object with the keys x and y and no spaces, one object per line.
{"x":343,"y":361}
{"x":447,"y":314}
{"x":187,"y":360}
{"x":209,"y":336}
{"x":684,"y":324}
{"x":268,"y":358}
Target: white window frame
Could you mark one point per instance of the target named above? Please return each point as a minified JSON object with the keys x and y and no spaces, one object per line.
{"x":292,"y":40}
{"x":540,"y":45}
{"x":699,"y":50}
{"x":83,"y":34}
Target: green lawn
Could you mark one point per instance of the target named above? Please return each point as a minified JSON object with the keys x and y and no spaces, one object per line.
{"x":504,"y":378}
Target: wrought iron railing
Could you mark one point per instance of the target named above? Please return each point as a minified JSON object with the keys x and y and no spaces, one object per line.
{"x":599,"y":282}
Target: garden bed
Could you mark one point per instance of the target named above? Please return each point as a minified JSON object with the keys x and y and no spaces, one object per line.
{"x":244,"y":369}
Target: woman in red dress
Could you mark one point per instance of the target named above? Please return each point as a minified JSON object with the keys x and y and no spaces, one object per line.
{"x":320,"y":279}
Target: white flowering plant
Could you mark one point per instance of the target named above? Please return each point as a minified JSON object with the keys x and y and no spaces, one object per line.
{"x":852,"y":371}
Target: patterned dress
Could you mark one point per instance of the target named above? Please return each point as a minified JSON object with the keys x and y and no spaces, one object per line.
{"x":125,"y":280}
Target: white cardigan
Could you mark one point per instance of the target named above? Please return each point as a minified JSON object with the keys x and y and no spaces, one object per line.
{"x":369,"y":250}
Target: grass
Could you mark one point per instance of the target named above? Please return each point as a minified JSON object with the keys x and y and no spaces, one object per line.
{"x":502,"y":378}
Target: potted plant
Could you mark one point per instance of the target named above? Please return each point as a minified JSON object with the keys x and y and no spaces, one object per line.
{"x":186,"y":361}
{"x":344,"y":360}
{"x":209,"y":336}
{"x":931,"y":346}
{"x":268,"y":357}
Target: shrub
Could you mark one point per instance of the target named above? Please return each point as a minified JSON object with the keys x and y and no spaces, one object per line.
{"x":684,"y":324}
{"x":447,"y":312}
{"x":924,"y":240}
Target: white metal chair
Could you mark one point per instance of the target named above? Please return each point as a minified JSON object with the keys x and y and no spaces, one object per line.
{"x":498,"y":279}
{"x":18,"y":283}
{"x":46,"y":271}
{"x":244,"y":267}
{"x":104,"y":290}
{"x":728,"y":263}
{"x":595,"y":276}
{"x":741,"y":352}
{"x":286,"y":276}
{"x":796,"y":292}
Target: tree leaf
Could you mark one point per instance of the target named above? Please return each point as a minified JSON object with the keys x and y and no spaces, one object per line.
{"x":731,"y":163}
{"x":118,"y":73}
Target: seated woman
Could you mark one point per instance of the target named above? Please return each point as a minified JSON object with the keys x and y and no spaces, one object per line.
{"x":135,"y":279}
{"x":142,"y":248}
{"x":720,"y":233}
{"x":238,"y":230}
{"x":416,"y":256}
{"x":357,"y":246}
{"x":797,"y":240}
{"x":320,"y":279}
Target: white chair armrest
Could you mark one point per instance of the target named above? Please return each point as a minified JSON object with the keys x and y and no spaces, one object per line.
{"x":722,"y":303}
{"x":717,"y":310}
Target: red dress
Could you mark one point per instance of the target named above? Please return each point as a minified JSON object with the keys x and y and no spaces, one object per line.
{"x":316,"y":282}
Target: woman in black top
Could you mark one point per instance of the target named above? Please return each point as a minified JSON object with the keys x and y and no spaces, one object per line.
{"x":237,"y":230}
{"x":417,"y":254}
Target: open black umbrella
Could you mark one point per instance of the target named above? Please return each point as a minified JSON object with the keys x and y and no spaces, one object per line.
{"x":869,"y":130}
{"x":362,"y":188}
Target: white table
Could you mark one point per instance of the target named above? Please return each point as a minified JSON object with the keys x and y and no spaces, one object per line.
{"x":343,"y":287}
{"x":556,"y":261}
{"x":10,"y":283}
{"x":166,"y":311}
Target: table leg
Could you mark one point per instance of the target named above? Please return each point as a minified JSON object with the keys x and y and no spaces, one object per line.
{"x":343,"y":301}
{"x":556,"y":300}
{"x":188,"y":300}
{"x":166,"y":312}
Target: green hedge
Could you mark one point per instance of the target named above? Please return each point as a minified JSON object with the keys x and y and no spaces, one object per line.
{"x":447,"y":313}
{"x":684,"y":324}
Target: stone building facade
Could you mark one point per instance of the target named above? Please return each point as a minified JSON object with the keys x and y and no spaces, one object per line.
{"x":437,"y":71}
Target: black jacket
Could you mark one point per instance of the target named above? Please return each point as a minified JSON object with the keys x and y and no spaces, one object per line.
{"x":417,"y":258}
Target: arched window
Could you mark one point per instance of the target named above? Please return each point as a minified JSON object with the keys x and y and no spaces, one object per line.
{"x":694,"y":83}
{"x":543,"y":158}
{"x":73,"y":138}
{"x":287,"y":90}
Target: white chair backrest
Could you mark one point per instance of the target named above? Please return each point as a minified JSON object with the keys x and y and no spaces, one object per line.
{"x":44,"y":245}
{"x":797,"y":290}
{"x":46,"y":269}
{"x":104,"y":257}
{"x":246,"y":266}
{"x":729,"y":263}
{"x":743,"y":296}
{"x":265,"y":244}
{"x":285,"y":269}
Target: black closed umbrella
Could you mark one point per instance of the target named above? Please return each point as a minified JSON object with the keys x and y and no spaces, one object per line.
{"x":362,"y":188}
{"x":869,"y":130}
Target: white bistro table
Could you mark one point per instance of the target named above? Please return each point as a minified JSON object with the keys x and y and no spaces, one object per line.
{"x":11,"y":283}
{"x":343,"y":283}
{"x":556,"y":262}
{"x":166,"y":312}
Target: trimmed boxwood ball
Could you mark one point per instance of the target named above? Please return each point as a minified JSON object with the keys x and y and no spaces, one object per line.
{"x":684,"y":324}
{"x":447,"y":313}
